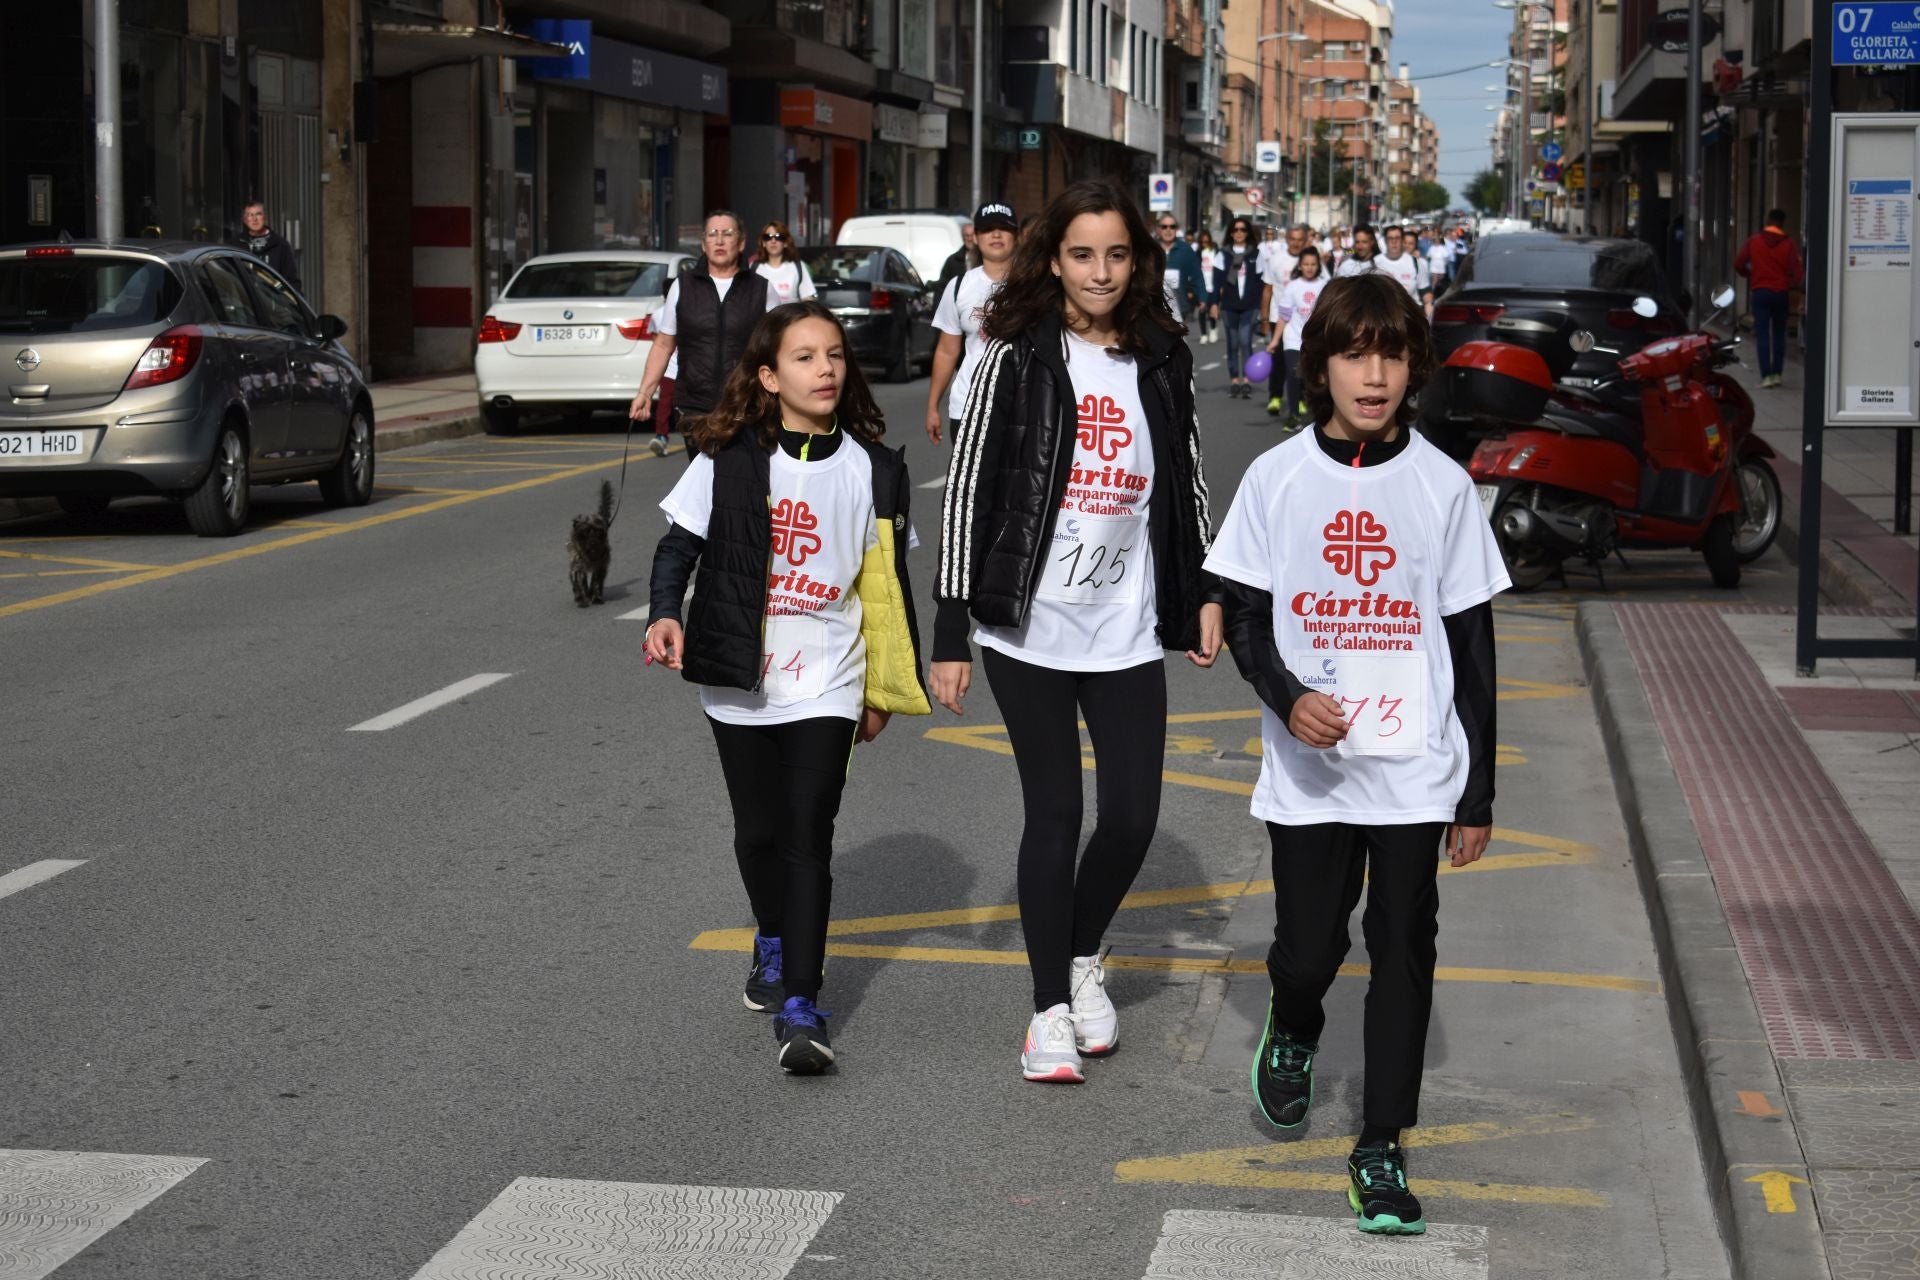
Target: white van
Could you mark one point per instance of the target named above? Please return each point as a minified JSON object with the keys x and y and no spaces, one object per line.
{"x":927,"y":239}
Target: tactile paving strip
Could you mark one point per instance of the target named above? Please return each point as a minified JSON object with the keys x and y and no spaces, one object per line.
{"x":1829,"y":943}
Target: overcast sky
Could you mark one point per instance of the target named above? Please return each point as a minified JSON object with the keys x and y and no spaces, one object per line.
{"x":1440,"y":35}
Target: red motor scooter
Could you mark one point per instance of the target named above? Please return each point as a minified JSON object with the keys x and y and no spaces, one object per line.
{"x":1563,"y":477}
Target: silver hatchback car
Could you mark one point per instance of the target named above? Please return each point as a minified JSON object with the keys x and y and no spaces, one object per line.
{"x":191,"y":371}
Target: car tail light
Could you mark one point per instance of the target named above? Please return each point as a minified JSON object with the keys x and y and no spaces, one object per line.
{"x":168,"y":358}
{"x":1467,"y":313}
{"x":492,"y":330}
{"x":881,"y":298}
{"x":640,"y":330}
{"x":51,"y":251}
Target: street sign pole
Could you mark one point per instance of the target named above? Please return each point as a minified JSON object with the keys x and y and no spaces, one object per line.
{"x":1690,"y":230}
{"x":106,"y":118}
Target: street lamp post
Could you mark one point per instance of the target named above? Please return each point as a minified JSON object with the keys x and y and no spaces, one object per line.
{"x":1259,"y":86}
{"x":1525,"y":9}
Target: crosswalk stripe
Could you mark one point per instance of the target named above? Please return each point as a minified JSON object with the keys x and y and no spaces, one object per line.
{"x":36,"y":873}
{"x":1198,"y":1244}
{"x":53,"y":1204}
{"x":563,"y":1228}
{"x":432,"y":702}
{"x":938,"y":482}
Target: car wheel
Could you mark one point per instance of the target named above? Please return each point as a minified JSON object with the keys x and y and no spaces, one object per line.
{"x":1759,"y":510}
{"x":218,"y":507}
{"x":350,"y":482}
{"x":499,"y":422}
{"x":84,"y":507}
{"x":900,"y":369}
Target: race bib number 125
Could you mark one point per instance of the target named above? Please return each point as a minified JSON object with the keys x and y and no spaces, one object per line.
{"x":1094,"y":560}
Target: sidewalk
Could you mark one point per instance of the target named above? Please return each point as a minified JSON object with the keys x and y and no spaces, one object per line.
{"x":406,"y":411}
{"x":1770,"y":820}
{"x":1863,"y":561}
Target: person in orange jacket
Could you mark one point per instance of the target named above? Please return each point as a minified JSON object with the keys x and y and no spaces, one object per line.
{"x":1771,"y":262}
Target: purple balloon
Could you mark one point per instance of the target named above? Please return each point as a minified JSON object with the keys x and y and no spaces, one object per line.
{"x":1259,"y":366}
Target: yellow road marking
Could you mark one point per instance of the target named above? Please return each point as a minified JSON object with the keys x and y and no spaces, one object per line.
{"x":418,"y":488}
{"x":1513,"y":639}
{"x":1755,"y":1104}
{"x":58,"y":573}
{"x":559,"y":442}
{"x":1251,"y":1166}
{"x":91,"y":564}
{"x":464,"y":461}
{"x":301,"y":539}
{"x":1512,"y":690}
{"x":1777,"y":1187}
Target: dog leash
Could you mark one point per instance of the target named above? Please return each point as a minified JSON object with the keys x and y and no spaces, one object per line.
{"x":620,"y":494}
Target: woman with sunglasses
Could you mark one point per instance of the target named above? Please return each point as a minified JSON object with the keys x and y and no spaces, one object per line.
{"x":787,"y":277}
{"x":1237,"y":289}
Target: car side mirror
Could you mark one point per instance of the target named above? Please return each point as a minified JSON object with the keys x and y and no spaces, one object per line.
{"x":328,"y":328}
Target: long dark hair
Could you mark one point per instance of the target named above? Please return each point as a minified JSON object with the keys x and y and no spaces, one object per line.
{"x":745,"y":403}
{"x":1032,"y":292}
{"x":1309,"y":249}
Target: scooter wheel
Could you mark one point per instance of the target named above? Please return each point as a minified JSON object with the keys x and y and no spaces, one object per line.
{"x":1527,"y":567}
{"x":1723,"y":558}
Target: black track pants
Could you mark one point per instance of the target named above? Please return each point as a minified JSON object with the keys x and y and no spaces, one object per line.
{"x":785,"y":781}
{"x":1065,"y":911}
{"x":1318,"y":872}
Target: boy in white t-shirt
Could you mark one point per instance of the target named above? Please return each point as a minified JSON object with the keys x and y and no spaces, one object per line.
{"x":1359,"y":574}
{"x":957,"y":316}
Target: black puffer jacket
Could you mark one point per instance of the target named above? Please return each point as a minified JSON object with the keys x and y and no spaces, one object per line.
{"x":1011,"y":457}
{"x":727,"y":618}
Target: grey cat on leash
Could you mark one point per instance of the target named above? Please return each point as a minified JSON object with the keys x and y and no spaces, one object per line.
{"x":590,"y":550}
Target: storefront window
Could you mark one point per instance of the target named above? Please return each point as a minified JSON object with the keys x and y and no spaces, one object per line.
{"x":171,"y":163}
{"x":885,"y":189}
{"x":626,"y":177}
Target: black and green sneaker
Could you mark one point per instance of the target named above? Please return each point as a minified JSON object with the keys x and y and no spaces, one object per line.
{"x":1283,"y":1075}
{"x":1377,"y":1190}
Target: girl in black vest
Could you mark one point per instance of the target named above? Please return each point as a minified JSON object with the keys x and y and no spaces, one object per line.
{"x":1073,"y":532}
{"x":801,"y":633}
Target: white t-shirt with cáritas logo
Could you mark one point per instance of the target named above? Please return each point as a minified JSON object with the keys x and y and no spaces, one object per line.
{"x":963,"y":305}
{"x":787,"y":282}
{"x":1363,"y":563}
{"x":1093,"y":606}
{"x":814,"y":661}
{"x":1293,"y":305}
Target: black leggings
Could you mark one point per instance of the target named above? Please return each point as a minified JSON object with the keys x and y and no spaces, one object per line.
{"x":785,"y":781}
{"x":1063,"y":913}
{"x":1318,"y":872}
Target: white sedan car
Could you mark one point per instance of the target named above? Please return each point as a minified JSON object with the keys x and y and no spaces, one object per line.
{"x":571,"y":333}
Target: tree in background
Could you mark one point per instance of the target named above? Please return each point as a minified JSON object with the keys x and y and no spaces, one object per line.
{"x":1325,"y":150}
{"x":1420,"y":197}
{"x":1487,"y":192}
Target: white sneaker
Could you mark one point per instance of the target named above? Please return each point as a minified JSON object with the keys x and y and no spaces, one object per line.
{"x":1096,"y":1026}
{"x":1049,"y":1054}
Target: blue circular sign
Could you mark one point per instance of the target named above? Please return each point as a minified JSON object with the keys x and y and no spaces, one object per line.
{"x":1550,"y":152}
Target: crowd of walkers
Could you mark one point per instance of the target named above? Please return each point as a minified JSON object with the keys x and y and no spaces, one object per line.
{"x":1350,"y":580}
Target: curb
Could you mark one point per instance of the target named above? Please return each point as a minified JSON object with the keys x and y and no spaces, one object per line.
{"x":1843,"y":579}
{"x":1716,"y":1025}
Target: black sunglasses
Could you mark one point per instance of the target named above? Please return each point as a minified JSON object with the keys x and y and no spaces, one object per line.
{"x":771,"y":235}
{"x":1169,"y":226}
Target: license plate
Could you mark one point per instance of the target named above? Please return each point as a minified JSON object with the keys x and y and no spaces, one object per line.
{"x":569,"y":334}
{"x":42,"y":444}
{"x":1489,"y":494}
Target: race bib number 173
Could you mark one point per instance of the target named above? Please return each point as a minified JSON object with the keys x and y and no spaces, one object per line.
{"x":1382,"y":695}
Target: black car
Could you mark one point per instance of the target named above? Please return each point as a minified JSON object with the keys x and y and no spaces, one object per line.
{"x":885,"y":305}
{"x":1512,"y":275}
{"x":191,"y":371}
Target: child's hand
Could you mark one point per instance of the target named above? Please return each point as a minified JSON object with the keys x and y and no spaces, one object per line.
{"x":1466,"y":844}
{"x":948,"y":682}
{"x":872,"y":722}
{"x":1213,"y":628}
{"x":1316,"y":721}
{"x":665,"y":642}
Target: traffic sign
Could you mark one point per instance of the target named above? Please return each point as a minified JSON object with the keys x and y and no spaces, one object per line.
{"x":1266,"y":157}
{"x":1550,"y":153}
{"x":1256,"y":196}
{"x":1875,"y":33}
{"x":1550,"y":174}
{"x":1160,"y":193}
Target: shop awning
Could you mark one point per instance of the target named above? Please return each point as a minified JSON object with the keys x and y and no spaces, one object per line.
{"x":401,"y":49}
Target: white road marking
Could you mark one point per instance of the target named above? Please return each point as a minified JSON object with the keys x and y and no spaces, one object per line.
{"x":938,"y":482}
{"x":36,"y":873}
{"x":433,"y":701}
{"x":638,"y":615}
{"x":561,"y":1228}
{"x":53,"y":1204}
{"x":1209,"y":368}
{"x":1200,"y":1244}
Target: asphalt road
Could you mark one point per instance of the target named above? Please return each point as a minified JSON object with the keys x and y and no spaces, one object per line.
{"x":352,"y":985}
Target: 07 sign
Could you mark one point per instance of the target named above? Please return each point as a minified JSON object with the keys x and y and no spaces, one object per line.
{"x":1876,"y":33}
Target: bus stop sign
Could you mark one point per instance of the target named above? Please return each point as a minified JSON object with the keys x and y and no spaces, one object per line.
{"x":1876,"y":33}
